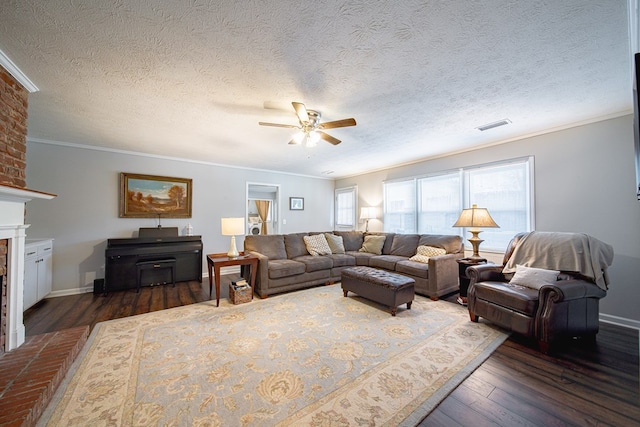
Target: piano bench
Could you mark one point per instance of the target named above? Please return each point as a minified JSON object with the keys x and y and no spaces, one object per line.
{"x":141,"y":266}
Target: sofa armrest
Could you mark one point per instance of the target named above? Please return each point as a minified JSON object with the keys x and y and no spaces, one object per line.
{"x":568,"y":290}
{"x":485,"y":273}
{"x":567,"y":308}
{"x":443,"y":271}
{"x":262,"y":275}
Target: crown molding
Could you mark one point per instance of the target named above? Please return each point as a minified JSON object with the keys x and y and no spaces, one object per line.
{"x":17,"y":73}
{"x":157,"y":156}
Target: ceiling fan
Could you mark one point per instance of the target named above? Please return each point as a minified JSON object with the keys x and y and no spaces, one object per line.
{"x":311,"y":130}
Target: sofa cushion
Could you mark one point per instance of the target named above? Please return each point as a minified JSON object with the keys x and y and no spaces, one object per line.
{"x":317,"y":245}
{"x":451,"y":243}
{"x":295,"y":245}
{"x":423,"y":253}
{"x":413,"y":268}
{"x":373,"y":244}
{"x":285,"y":267}
{"x":342,"y":260}
{"x":362,"y":258}
{"x":271,"y":246}
{"x":515,"y":297}
{"x":387,"y":262}
{"x":352,"y":239}
{"x":404,"y":245}
{"x":335,"y":243}
{"x":315,"y":262}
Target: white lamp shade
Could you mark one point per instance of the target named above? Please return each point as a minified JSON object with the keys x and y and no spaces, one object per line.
{"x":367,"y":213}
{"x":232,"y":226}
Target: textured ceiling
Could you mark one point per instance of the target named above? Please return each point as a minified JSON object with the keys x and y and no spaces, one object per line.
{"x":190,"y":78}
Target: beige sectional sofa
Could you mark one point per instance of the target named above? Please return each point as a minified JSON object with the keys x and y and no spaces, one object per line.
{"x":286,"y":264}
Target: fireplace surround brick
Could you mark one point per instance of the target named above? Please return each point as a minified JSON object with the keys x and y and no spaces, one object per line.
{"x":13,"y":153}
{"x":13,"y":130}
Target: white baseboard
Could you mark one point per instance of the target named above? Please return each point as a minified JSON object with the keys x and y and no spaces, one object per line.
{"x":67,"y":292}
{"x":89,"y":288}
{"x":620,"y":321}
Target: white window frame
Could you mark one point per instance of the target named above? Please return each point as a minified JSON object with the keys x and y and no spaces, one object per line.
{"x":353,"y":190}
{"x":451,"y":215}
{"x":406,"y":222}
{"x":496,"y":239}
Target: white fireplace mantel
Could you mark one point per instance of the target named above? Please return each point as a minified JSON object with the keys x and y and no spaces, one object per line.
{"x":12,"y":227}
{"x":22,"y":195}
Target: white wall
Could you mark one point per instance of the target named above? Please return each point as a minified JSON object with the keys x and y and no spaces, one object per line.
{"x":85,"y":213}
{"x":584,"y":182}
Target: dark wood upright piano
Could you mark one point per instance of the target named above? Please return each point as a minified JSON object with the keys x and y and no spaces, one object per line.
{"x":152,"y":244}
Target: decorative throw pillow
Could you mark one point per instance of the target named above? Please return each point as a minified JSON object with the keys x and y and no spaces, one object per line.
{"x":533,"y":278}
{"x":423,"y":253}
{"x":317,"y":244}
{"x":373,"y":244}
{"x":335,"y":243}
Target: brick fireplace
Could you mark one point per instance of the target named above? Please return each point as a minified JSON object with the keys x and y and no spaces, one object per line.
{"x":13,"y":231}
{"x":14,"y":91}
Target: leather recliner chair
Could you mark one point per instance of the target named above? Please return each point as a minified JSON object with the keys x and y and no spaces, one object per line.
{"x":567,"y":308}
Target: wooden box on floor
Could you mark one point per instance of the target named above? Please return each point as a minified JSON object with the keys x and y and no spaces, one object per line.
{"x":239,"y":296}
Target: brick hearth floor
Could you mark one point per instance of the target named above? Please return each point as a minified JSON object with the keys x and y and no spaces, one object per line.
{"x":30,"y":374}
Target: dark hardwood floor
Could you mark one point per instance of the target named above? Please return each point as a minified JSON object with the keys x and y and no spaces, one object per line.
{"x":582,"y":384}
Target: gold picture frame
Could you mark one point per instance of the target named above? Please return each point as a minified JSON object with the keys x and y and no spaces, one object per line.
{"x":154,"y":196}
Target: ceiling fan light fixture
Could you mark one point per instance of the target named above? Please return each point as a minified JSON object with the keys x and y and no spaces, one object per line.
{"x":298,"y":138}
{"x":311,"y":130}
{"x":312,"y":138}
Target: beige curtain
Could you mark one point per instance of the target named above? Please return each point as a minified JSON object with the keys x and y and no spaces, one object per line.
{"x":263,"y":211}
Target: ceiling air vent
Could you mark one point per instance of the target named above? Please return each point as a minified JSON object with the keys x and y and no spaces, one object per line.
{"x":494,"y":125}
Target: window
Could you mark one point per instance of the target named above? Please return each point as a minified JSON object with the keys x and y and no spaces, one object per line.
{"x":504,"y":189}
{"x":400,"y":206}
{"x":346,"y":208}
{"x":432,"y":204}
{"x":440,"y":203}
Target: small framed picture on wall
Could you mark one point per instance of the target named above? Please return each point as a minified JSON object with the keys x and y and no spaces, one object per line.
{"x":296,"y":203}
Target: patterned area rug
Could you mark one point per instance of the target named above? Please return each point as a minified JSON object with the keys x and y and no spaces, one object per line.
{"x":307,"y":358}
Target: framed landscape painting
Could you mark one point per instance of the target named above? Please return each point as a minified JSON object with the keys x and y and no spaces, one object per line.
{"x":151,"y":196}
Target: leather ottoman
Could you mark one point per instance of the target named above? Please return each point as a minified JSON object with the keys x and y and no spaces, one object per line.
{"x":381,"y":286}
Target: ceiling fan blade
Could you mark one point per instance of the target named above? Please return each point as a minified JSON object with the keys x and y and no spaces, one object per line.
{"x":337,"y":124}
{"x":329,"y":138}
{"x":278,"y":125}
{"x":301,"y":111}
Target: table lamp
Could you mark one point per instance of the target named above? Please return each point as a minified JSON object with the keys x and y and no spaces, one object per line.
{"x":232,"y":227}
{"x":475,"y":217}
{"x":367,"y":214}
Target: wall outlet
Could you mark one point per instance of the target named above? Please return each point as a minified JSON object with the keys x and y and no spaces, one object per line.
{"x":284,"y":222}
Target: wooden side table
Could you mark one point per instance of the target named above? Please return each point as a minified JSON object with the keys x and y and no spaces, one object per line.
{"x":216,"y":261}
{"x":463,"y":264}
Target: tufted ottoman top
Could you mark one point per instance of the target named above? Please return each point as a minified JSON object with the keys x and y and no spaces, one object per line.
{"x":379,"y":277}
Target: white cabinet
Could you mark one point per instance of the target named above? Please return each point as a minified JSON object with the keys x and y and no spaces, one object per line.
{"x":38,"y":265}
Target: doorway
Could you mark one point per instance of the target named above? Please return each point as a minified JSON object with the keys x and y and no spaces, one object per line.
{"x":268,"y":196}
